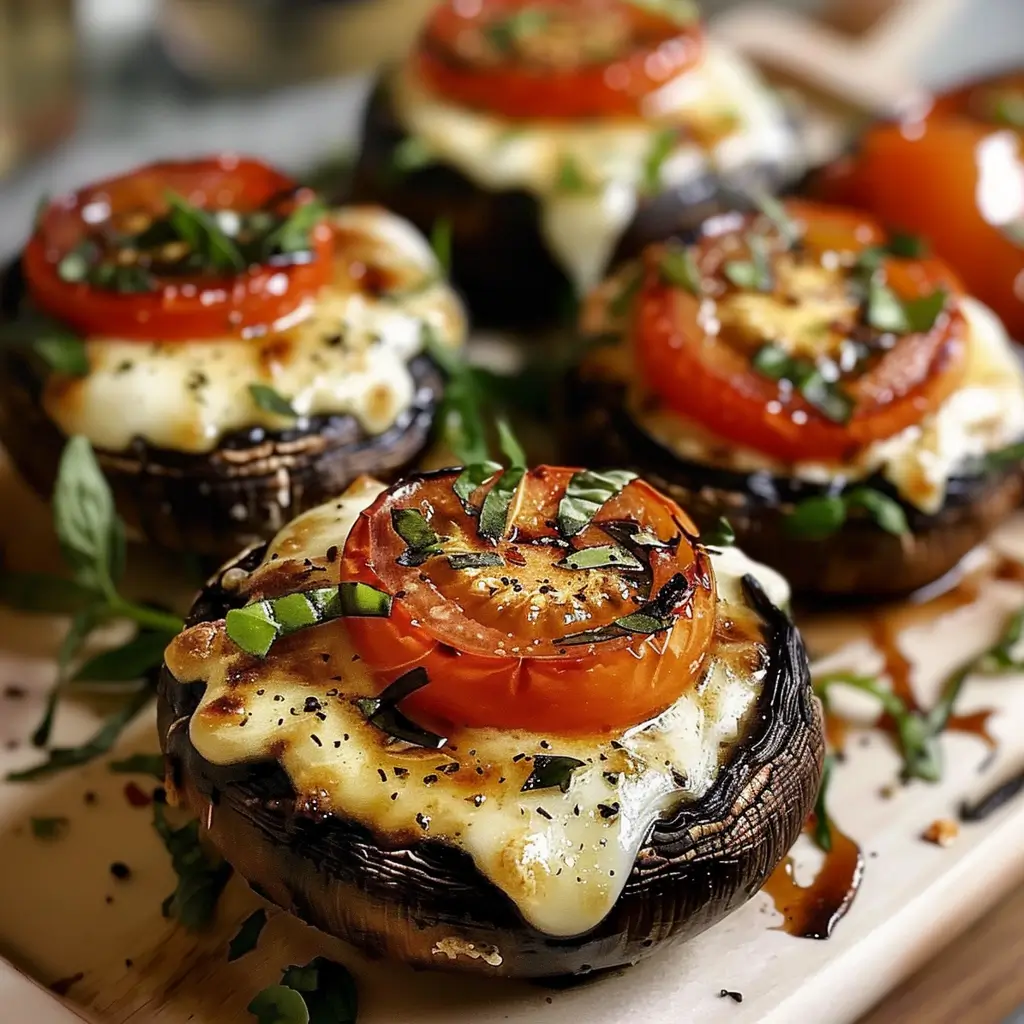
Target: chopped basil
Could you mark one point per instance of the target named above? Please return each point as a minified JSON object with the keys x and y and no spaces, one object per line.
{"x":140,"y":764}
{"x":201,"y":878}
{"x":924,"y":311}
{"x":505,"y":33}
{"x":473,"y":477}
{"x":754,"y":274}
{"x":130,"y":280}
{"x":721,"y":535}
{"x":248,"y":935}
{"x":623,"y":302}
{"x":885,"y":511}
{"x":494,"y":514}
{"x":605,"y":556}
{"x":772,"y":361}
{"x":204,"y":234}
{"x":411,"y":154}
{"x":827,"y":397}
{"x":75,"y":264}
{"x":61,"y":350}
{"x":907,"y":246}
{"x":588,"y":491}
{"x":551,"y":772}
{"x":295,"y":233}
{"x":678,"y":268}
{"x":1006,"y":107}
{"x":509,"y":444}
{"x":421,"y":541}
{"x":664,"y":142}
{"x":682,"y":12}
{"x":569,"y":177}
{"x":360,"y":600}
{"x":383,"y":713}
{"x":441,"y":244}
{"x":321,"y":992}
{"x":887,"y":312}
{"x":475,"y":560}
{"x":819,"y":517}
{"x":253,"y":628}
{"x":48,"y":828}
{"x":822,"y":823}
{"x":272,"y":401}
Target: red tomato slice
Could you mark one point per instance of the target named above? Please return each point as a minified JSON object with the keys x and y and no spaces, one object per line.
{"x":179,"y":307}
{"x":507,"y":645}
{"x":958,"y":184}
{"x":562,"y":59}
{"x":701,"y":368}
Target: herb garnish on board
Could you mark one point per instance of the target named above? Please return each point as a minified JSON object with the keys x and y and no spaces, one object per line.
{"x":321,"y":992}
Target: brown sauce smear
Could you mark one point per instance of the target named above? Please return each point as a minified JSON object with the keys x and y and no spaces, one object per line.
{"x":812,"y":911}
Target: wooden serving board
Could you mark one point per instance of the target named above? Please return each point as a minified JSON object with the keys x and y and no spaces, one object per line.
{"x":63,"y":914}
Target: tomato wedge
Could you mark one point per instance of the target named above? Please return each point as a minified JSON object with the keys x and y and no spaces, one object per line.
{"x":724,"y":348}
{"x":175,"y":301}
{"x":528,"y":627}
{"x":559,"y":59}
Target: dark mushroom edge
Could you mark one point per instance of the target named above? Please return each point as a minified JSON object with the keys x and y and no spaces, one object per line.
{"x":218,"y":501}
{"x":699,"y":863}
{"x":858,"y":560}
{"x":500,"y":261}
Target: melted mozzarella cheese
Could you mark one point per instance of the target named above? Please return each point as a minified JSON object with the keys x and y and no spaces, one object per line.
{"x":346,"y":352}
{"x":562,"y":858}
{"x":722,"y":101}
{"x":984,"y":414}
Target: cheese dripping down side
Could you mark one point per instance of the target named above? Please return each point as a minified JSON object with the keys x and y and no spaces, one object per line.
{"x":985,"y":414}
{"x":727,"y":120}
{"x":562,"y":858}
{"x":346,"y":352}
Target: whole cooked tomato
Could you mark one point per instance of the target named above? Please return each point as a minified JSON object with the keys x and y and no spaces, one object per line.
{"x":555,"y":600}
{"x":179,"y":251}
{"x":804,"y":333}
{"x":959,"y":184}
{"x":561,"y":59}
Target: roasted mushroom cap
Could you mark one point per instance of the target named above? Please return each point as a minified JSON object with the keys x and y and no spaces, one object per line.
{"x":860,"y":559}
{"x":426,"y":902}
{"x":241,"y":491}
{"x":500,"y":260}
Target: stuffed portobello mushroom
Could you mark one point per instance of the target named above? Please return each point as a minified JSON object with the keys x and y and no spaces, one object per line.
{"x":518,"y":722}
{"x":824,"y":386}
{"x":550,"y":136}
{"x":234,"y":351}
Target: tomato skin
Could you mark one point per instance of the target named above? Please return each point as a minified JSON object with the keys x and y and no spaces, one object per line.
{"x":703,"y":378}
{"x":616,"y":89}
{"x":183,"y":308}
{"x":972,"y":101}
{"x":954,"y":182}
{"x":547,"y":687}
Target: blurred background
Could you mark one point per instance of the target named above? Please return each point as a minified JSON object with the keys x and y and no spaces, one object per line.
{"x":88,"y":87}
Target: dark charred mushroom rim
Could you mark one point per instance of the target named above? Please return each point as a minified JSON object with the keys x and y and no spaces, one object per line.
{"x":403,"y":898}
{"x":218,"y":501}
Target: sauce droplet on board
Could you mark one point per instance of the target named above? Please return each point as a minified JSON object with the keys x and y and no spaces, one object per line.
{"x":812,"y":911}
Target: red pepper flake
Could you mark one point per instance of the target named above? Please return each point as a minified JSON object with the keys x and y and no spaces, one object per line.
{"x":62,"y":986}
{"x":136,"y":796}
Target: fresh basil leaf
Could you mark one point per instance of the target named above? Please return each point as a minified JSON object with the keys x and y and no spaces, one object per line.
{"x":248,"y":935}
{"x":885,"y":311}
{"x":61,"y":758}
{"x":816,"y":518}
{"x":360,"y":600}
{"x":1002,"y":656}
{"x":494,"y":514}
{"x":886,"y":512}
{"x":721,"y":535}
{"x":473,"y":477}
{"x":569,"y":177}
{"x":822,"y":822}
{"x":587,"y":492}
{"x":475,"y":560}
{"x":201,"y":879}
{"x":923,"y":312}
{"x":754,"y":274}
{"x":140,"y":764}
{"x":253,"y":628}
{"x":509,"y":445}
{"x":678,"y":268}
{"x":830,"y":400}
{"x":1007,"y":456}
{"x":390,"y":720}
{"x":421,"y":541}
{"x":294,"y":234}
{"x":63,"y":353}
{"x":551,"y":771}
{"x":206,"y":237}
{"x":772,"y":361}
{"x":907,"y":246}
{"x":37,"y":592}
{"x":132,"y":660}
{"x":411,"y":154}
{"x":272,"y":401}
{"x":662,"y":147}
{"x":49,"y":828}
{"x":605,"y":556}
{"x":775,"y":211}
{"x":441,"y":244}
{"x":278,"y":1004}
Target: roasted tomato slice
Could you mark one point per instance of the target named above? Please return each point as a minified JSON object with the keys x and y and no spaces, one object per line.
{"x":996,"y":101}
{"x":957,"y":183}
{"x":798,"y":335}
{"x":561,"y":59}
{"x":178,"y":251}
{"x":526,"y":615}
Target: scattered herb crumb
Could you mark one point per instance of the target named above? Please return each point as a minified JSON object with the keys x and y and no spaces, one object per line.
{"x":248,"y":935}
{"x":736,"y":997}
{"x":49,"y":828}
